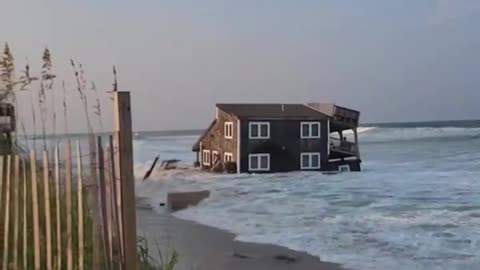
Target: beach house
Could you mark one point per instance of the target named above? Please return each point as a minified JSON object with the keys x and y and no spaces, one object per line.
{"x":267,"y":138}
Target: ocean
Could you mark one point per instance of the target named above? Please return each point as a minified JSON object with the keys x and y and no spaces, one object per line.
{"x":415,"y":205}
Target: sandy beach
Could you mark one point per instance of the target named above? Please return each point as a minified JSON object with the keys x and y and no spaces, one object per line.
{"x":205,"y":248}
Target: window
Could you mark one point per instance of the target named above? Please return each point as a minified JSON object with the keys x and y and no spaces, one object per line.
{"x":228,"y":130}
{"x":206,"y":157}
{"x":344,"y":168}
{"x":214,"y":157}
{"x":310,"y":130}
{"x":309,"y":161}
{"x":227,"y":157}
{"x":258,"y":162}
{"x":259,"y":130}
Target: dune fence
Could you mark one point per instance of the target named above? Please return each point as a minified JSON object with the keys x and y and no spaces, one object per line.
{"x":72,"y":204}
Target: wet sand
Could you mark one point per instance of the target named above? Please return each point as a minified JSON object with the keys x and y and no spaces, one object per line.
{"x":205,"y":248}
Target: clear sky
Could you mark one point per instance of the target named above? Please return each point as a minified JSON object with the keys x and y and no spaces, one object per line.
{"x":392,"y":60}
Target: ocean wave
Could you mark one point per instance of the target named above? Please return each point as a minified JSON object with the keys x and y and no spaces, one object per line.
{"x":383,"y":135}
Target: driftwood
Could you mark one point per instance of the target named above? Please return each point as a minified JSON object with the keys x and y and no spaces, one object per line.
{"x":149,"y":172}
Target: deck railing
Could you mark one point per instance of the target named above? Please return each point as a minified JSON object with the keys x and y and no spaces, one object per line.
{"x":342,"y":146}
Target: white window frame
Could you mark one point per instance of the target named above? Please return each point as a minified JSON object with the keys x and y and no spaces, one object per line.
{"x":206,"y":157}
{"x":310,"y":125}
{"x":340,"y":167}
{"x":214,"y":153}
{"x":259,"y":162}
{"x":225,"y":155}
{"x":259,"y":125}
{"x":228,"y":130}
{"x":310,"y":167}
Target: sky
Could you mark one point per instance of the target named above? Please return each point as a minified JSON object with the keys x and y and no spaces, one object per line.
{"x":392,"y":60}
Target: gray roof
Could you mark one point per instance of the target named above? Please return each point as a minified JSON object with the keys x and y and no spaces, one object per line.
{"x":326,"y":108}
{"x":257,"y":110}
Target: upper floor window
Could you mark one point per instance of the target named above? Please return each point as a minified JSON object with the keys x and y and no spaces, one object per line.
{"x":310,"y":130}
{"x":259,"y":130}
{"x":228,"y":129}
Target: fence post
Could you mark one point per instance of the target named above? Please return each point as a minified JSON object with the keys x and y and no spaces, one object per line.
{"x":108,"y":200}
{"x":36,"y":222}
{"x":6,"y":215}
{"x":123,"y":133}
{"x":80,"y":207}
{"x":25,"y":201}
{"x":101,"y":181}
{"x":68,"y":204}
{"x":58,"y":209}
{"x":46,"y":189}
{"x":94,"y":205}
{"x":116,"y":203}
{"x":16,"y":201}
{"x":1,"y":182}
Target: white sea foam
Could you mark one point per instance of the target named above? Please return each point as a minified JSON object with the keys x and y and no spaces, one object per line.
{"x":415,"y":206}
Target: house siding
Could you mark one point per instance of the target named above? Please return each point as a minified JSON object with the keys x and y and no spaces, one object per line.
{"x":215,"y":139}
{"x":284,"y":144}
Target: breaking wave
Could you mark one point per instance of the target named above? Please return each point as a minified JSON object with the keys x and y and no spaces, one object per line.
{"x":385,"y":135}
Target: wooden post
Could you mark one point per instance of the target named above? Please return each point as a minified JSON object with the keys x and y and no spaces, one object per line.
{"x":101,"y":180}
{"x":94,"y":205}
{"x":58,"y":209}
{"x":6,"y":215}
{"x":123,"y":132}
{"x":68,"y":204}
{"x":36,"y":222}
{"x":357,"y":148}
{"x":48,"y":229}
{"x":16,"y":183}
{"x":80,"y":207}
{"x":24,"y":214}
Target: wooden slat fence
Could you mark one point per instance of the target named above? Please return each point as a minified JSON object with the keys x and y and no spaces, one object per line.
{"x":53,"y":203}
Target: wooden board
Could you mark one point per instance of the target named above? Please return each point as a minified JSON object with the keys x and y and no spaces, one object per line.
{"x":6,"y":215}
{"x":68,"y":187}
{"x":58,"y":208}
{"x":36,"y":222}
{"x":80,"y":208}
{"x":48,"y":226}
{"x":16,"y":201}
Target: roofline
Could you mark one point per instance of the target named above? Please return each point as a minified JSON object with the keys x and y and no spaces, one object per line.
{"x":325,"y":116}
